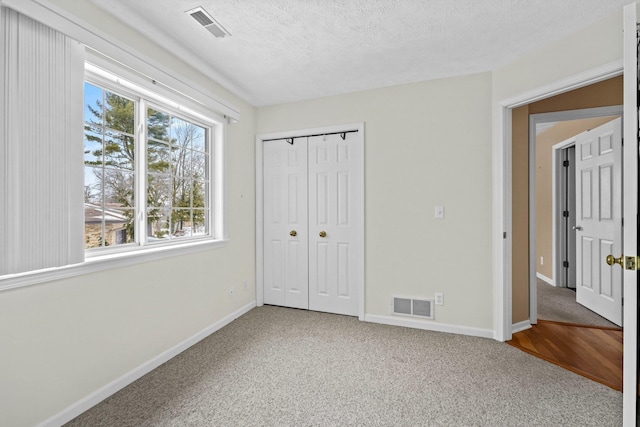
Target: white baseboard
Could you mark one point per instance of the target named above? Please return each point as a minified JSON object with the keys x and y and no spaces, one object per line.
{"x":545,"y":278}
{"x":102,"y":393}
{"x":429,"y":326}
{"x":520,"y":326}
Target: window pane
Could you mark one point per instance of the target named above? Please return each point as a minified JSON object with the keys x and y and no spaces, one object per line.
{"x":118,"y":150}
{"x":199,"y":227}
{"x":180,"y":161}
{"x":119,"y":113}
{"x":158,"y":125}
{"x":92,"y":226}
{"x":119,"y":226}
{"x":109,"y":190}
{"x":157,"y":224}
{"x":92,"y":146}
{"x":181,"y":133}
{"x":181,"y":223}
{"x":181,"y":193}
{"x":118,"y":188}
{"x":199,"y":165}
{"x":158,"y":157}
{"x":92,"y":103}
{"x":199,"y":194}
{"x":159,"y":191}
{"x":199,"y":139}
{"x":92,"y":185}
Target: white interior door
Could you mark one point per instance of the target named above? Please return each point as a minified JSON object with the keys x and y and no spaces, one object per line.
{"x":599,"y":219}
{"x":334,"y":228}
{"x":285,"y":223}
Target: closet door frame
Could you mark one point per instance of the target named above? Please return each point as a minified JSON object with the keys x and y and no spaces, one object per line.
{"x":260,"y":138}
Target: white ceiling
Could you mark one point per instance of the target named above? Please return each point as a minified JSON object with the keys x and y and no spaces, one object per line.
{"x":289,"y":50}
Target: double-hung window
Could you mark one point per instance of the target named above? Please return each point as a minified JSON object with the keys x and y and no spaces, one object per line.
{"x":148,"y":169}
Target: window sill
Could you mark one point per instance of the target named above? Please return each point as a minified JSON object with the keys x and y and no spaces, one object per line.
{"x":105,"y":262}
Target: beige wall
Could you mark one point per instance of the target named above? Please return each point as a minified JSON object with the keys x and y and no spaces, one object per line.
{"x":61,"y":341}
{"x":426,"y":144}
{"x":594,"y":46}
{"x":520,"y":214}
{"x":544,"y":191}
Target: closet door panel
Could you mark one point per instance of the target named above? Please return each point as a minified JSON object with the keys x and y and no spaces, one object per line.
{"x":334,"y":236}
{"x":286,"y":240}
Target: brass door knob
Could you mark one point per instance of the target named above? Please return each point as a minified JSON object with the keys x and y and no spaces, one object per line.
{"x":613,"y":260}
{"x":293,"y":233}
{"x":323,"y":234}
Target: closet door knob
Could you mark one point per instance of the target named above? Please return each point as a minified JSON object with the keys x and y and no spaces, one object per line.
{"x":323,"y":234}
{"x":293,"y":233}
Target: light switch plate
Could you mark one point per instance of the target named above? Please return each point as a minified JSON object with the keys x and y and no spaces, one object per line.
{"x":439,"y":212}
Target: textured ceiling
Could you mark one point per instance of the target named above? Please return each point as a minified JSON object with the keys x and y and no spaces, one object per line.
{"x":288,"y":50}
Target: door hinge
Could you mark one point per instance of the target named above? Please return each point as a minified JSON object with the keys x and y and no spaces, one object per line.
{"x":565,"y":214}
{"x":565,"y":163}
{"x":565,"y":264}
{"x":504,"y":235}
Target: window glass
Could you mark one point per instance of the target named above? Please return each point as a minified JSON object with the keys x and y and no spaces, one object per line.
{"x":178,"y":200}
{"x":175,"y":177}
{"x":109,"y":158}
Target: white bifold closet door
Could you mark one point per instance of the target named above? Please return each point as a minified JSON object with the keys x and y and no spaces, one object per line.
{"x":286,"y":239}
{"x":312,"y":230}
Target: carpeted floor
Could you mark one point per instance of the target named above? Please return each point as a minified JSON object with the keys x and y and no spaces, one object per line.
{"x":559,"y":304}
{"x":283,"y":367}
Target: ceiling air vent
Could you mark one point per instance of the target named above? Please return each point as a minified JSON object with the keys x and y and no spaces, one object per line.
{"x":207,"y":21}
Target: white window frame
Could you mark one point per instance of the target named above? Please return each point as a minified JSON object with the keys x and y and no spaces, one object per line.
{"x":172,"y":103}
{"x":145,"y":98}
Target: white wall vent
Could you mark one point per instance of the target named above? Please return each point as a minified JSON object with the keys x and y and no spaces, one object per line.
{"x":206,"y":20}
{"x":413,"y":307}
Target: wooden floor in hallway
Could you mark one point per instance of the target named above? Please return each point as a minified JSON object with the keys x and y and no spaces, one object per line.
{"x":591,"y":351}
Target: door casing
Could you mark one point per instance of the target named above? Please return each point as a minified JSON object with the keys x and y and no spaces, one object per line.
{"x":502,"y":191}
{"x":260,"y":202}
{"x":563,"y":198}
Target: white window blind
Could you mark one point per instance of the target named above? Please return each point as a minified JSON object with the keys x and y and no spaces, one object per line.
{"x":41,"y":146}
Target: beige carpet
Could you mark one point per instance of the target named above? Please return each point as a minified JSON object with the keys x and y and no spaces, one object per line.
{"x":559,"y":304}
{"x":284,"y":367}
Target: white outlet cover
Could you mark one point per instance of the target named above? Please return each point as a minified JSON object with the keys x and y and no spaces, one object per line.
{"x":439,"y":298}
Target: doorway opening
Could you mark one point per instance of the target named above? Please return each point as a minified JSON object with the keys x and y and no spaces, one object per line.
{"x":552,"y":216}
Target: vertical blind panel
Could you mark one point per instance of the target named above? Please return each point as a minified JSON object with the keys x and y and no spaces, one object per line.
{"x":42,"y":146}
